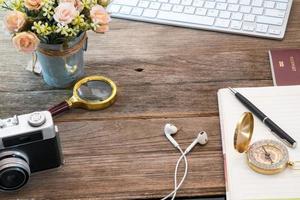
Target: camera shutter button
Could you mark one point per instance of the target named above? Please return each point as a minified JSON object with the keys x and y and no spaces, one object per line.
{"x":36,"y":119}
{"x":2,"y":124}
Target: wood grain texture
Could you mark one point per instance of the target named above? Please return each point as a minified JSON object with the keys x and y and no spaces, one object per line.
{"x":164,"y":74}
{"x":128,"y":159}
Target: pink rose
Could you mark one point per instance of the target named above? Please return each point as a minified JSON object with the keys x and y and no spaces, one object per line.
{"x":33,"y":4}
{"x":65,"y":13}
{"x":26,"y":42}
{"x":14,"y":21}
{"x":102,"y":29}
{"x":99,"y":15}
{"x":77,"y":3}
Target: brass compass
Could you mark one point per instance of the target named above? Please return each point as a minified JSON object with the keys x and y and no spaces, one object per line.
{"x":264,"y":156}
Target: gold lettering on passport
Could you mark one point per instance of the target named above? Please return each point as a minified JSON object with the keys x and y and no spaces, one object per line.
{"x":281,"y":64}
{"x":293,"y":64}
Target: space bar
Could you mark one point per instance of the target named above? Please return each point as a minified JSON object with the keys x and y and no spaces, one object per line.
{"x":180,"y":17}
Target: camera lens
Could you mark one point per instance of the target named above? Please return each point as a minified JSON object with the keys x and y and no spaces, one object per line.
{"x":14,"y":171}
{"x":13,"y":178}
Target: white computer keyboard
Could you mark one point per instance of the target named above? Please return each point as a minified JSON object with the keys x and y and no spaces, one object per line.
{"x":260,"y":18}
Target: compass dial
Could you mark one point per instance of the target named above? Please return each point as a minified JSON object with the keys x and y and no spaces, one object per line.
{"x":267,"y":156}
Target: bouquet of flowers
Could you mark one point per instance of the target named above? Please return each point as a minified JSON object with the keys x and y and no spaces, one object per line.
{"x":52,"y":21}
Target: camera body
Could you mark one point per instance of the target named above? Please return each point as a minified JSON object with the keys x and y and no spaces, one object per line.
{"x":28,"y":143}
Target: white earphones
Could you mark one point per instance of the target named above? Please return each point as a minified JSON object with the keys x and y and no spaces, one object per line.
{"x":202,"y":139}
{"x":170,"y":130}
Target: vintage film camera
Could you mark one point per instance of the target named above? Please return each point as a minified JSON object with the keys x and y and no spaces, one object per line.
{"x":28,"y":143}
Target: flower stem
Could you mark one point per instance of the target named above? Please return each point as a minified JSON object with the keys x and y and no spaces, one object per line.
{"x":8,"y":8}
{"x":6,"y":4}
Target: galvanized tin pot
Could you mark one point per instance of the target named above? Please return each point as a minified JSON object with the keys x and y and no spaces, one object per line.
{"x":62,"y":64}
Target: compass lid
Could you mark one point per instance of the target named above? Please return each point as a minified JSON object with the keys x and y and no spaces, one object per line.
{"x":243,"y":132}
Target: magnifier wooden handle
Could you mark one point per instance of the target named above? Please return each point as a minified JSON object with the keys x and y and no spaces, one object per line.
{"x":59,"y":108}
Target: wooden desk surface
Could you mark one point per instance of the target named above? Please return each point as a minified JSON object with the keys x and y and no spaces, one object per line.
{"x":164,"y":74}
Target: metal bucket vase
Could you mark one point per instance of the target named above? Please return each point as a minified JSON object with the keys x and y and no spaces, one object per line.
{"x":62,"y":64}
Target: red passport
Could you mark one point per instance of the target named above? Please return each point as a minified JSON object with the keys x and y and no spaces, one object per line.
{"x":285,"y":65}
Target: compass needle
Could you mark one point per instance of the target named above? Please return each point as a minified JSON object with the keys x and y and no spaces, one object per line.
{"x":267,"y":154}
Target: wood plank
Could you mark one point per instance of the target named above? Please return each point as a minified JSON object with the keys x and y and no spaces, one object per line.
{"x":129,"y":159}
{"x":144,"y":101}
{"x":167,"y":70}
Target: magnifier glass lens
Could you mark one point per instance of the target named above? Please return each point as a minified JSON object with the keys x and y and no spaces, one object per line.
{"x":95,"y":91}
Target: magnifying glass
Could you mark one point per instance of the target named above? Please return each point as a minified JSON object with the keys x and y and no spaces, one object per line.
{"x":91,"y":93}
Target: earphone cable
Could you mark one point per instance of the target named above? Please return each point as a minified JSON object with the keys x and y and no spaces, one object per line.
{"x":176,"y":171}
{"x":174,"y":192}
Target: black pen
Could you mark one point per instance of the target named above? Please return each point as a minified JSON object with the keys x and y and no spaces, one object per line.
{"x":281,"y":134}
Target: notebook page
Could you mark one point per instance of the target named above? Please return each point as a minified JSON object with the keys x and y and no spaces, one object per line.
{"x":282,"y":105}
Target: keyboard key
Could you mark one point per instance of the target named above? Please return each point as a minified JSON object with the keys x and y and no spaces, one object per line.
{"x":175,"y":1}
{"x":212,"y":13}
{"x":284,"y":1}
{"x":233,"y":7}
{"x":225,"y":14}
{"x":166,"y":7}
{"x":245,"y":9}
{"x":249,"y":18}
{"x":114,"y":8}
{"x":144,"y":4}
{"x":232,"y":1}
{"x":201,"y":11}
{"x":201,"y":20}
{"x":125,"y":10}
{"x":269,"y":4}
{"x":245,"y":2}
{"x":237,"y":16}
{"x":236,"y":25}
{"x":257,"y":10}
{"x":274,"y":13}
{"x":269,"y":20}
{"x":248,"y":26}
{"x":189,"y":10}
{"x":155,"y":5}
{"x":198,"y":3}
{"x":224,"y":23}
{"x":137,"y":11}
{"x":126,"y":2}
{"x":221,"y":6}
{"x":209,"y":4}
{"x":150,"y":13}
{"x":281,"y":6}
{"x":178,"y":8}
{"x":274,"y":30}
{"x":186,"y":2}
{"x":257,"y":3}
{"x":261,"y":28}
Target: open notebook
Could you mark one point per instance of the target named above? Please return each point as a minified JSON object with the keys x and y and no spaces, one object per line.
{"x":282,"y":105}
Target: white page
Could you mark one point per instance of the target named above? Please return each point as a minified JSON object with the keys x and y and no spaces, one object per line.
{"x":282,"y":105}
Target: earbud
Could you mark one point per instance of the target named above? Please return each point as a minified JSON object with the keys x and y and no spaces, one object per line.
{"x":202,"y":139}
{"x":169,"y":130}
